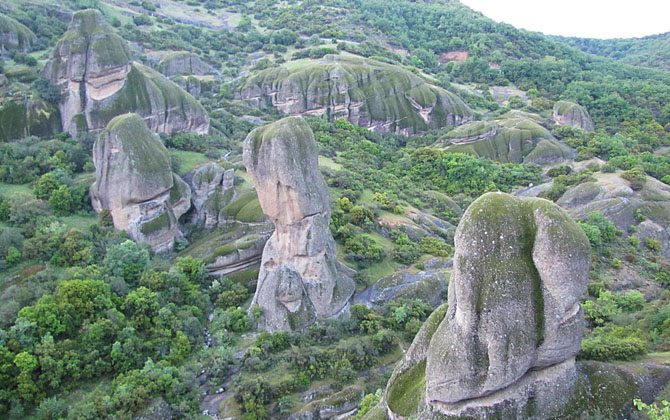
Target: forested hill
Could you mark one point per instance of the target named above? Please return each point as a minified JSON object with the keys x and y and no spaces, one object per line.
{"x":134,"y":222}
{"x":650,"y":51}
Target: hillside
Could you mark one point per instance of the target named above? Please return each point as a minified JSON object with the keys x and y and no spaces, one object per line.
{"x":649,"y":51}
{"x":320,"y":209}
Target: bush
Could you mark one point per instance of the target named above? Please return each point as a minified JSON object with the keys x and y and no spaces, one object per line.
{"x":653,"y":244}
{"x":612,"y":344}
{"x":635,"y":177}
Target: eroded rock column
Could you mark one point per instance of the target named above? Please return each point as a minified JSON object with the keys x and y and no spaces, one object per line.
{"x":300,"y":277}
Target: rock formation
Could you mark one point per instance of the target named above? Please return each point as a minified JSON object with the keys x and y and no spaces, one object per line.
{"x":134,"y":181}
{"x":570,"y":113}
{"x":505,"y":344}
{"x":35,"y":117}
{"x":93,"y":66}
{"x":515,"y":137}
{"x":183,"y":63}
{"x":300,"y":277}
{"x":206,"y":181}
{"x":379,"y":96}
{"x":14,"y":35}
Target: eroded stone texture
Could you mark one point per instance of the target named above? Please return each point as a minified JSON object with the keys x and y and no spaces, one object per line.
{"x":94,"y":69}
{"x":379,"y":96}
{"x":513,"y":324}
{"x":570,"y":113}
{"x":300,"y":277}
{"x":134,"y":181}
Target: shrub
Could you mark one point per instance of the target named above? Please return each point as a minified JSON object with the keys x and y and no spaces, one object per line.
{"x":653,"y":244}
{"x":635,"y":177}
{"x":612,"y":344}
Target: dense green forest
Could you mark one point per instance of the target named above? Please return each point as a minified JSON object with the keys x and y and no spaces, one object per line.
{"x":95,"y":325}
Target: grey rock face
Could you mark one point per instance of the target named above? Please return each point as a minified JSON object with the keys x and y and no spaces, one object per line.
{"x":513,"y":324}
{"x":425,"y":285}
{"x":94,"y":69}
{"x":570,"y":113}
{"x":134,"y":181}
{"x":382,"y":97}
{"x":183,"y":63}
{"x":300,"y":278}
{"x":206,"y":180}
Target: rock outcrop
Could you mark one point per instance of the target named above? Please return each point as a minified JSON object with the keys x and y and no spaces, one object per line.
{"x":93,"y":67}
{"x":505,"y":344}
{"x":134,"y":181}
{"x":617,"y":201}
{"x":35,"y":117}
{"x":206,"y":181}
{"x":513,"y":138}
{"x":379,"y":96}
{"x":300,"y":277}
{"x":183,"y":63}
{"x":570,"y":113}
{"x":427,"y":286}
{"x":14,"y":36}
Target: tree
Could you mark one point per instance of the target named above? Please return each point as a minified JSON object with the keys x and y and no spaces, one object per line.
{"x":127,"y":260}
{"x":141,"y":306}
{"x":45,"y":186}
{"x":61,"y":203}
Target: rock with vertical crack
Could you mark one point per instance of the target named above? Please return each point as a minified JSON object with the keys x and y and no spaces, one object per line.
{"x":300,"y":278}
{"x":505,"y":344}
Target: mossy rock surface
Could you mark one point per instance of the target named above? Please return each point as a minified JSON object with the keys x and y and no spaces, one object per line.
{"x":384,"y":97}
{"x":405,"y":394}
{"x":14,"y":35}
{"x":514,"y":139}
{"x":34,"y":118}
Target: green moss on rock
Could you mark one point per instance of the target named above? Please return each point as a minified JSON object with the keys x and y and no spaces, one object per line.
{"x":384,"y":96}
{"x":405,"y":393}
{"x":14,"y":35}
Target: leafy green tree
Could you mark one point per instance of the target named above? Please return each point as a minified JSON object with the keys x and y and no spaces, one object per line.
{"x":61,"y":202}
{"x":141,"y":306}
{"x":45,"y":186}
{"x":127,"y":260}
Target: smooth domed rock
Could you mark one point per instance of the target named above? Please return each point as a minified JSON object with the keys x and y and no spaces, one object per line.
{"x":300,"y":277}
{"x":516,"y":138}
{"x":379,"y":96}
{"x":513,"y":323}
{"x":134,"y":181}
{"x":94,"y":69}
{"x":183,"y":63}
{"x":34,"y":117}
{"x":570,"y":113}
{"x":205,"y":180}
{"x":14,"y":36}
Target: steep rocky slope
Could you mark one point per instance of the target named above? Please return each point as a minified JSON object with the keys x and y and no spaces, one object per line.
{"x":369,"y":93}
{"x":183,"y":63}
{"x":300,"y":278}
{"x":134,"y":181}
{"x":93,"y":67}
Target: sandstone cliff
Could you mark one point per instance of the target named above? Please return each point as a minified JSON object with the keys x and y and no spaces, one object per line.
{"x":100,"y":81}
{"x":515,"y":137}
{"x":505,"y":344}
{"x":382,"y":97}
{"x":570,"y":113}
{"x":134,"y":181}
{"x":14,"y":35}
{"x":300,"y":277}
